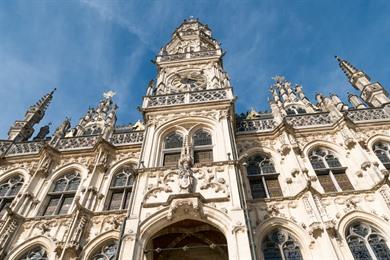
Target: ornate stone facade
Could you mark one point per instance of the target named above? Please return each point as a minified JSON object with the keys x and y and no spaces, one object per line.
{"x":193,"y":180}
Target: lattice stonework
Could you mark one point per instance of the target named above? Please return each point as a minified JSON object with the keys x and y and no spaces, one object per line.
{"x":368,"y":114}
{"x":127,"y":138}
{"x":77,"y":142}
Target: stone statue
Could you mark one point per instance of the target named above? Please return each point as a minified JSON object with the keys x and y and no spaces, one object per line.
{"x":186,"y":178}
{"x":42,"y":132}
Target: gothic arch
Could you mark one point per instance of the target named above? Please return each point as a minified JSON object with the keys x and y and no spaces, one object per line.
{"x":258,"y":150}
{"x":43,"y":241}
{"x":161,"y":219}
{"x":325,"y":144}
{"x":377,"y":138}
{"x":369,"y":218}
{"x":18,"y":171}
{"x":297,"y":232}
{"x":98,"y":241}
{"x":55,"y":176}
{"x":363,"y":217}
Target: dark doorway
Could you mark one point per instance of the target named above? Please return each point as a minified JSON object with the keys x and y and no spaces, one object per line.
{"x":188,"y":240}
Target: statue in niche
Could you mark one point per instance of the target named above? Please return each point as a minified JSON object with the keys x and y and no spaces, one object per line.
{"x":186,"y":178}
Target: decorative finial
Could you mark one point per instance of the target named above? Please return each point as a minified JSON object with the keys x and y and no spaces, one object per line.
{"x":109,"y":94}
{"x":279,"y":79}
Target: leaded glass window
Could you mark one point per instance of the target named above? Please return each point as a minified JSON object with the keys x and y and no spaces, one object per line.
{"x":8,"y":191}
{"x":173,"y":144}
{"x":106,"y":252}
{"x":36,"y":253}
{"x":279,"y":245}
{"x":202,"y":144}
{"x":365,"y":242}
{"x":331,"y":174}
{"x":120,"y":189}
{"x":263,"y":179}
{"x":381,"y":150}
{"x":62,"y":194}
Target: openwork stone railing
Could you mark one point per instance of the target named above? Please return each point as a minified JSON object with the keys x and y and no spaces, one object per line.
{"x":79,"y":142}
{"x":188,"y":55}
{"x":255,"y":125}
{"x":127,"y":138}
{"x":25,"y":148}
{"x":187,"y":98}
{"x":369,"y":114}
{"x":4,"y":145}
{"x":299,"y":121}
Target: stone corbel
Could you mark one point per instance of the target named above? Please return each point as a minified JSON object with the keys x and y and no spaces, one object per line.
{"x":315,"y":229}
{"x":185,"y":206}
{"x":284,"y":149}
{"x":349,"y":143}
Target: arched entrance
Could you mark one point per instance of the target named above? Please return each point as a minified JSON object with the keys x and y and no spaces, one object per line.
{"x":187,"y":239}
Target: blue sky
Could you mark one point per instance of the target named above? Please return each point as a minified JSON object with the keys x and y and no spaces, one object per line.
{"x":85,"y":47}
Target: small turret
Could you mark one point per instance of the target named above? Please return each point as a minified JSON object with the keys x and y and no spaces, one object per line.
{"x":22,"y":130}
{"x":356,"y":101}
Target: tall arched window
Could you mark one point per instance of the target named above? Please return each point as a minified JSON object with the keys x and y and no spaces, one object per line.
{"x":381,"y":150}
{"x":263,"y":179}
{"x":366,"y":242}
{"x":329,"y":170}
{"x":106,"y":252}
{"x":62,"y":193}
{"x":172,"y":149}
{"x":36,"y":253}
{"x":202,"y":144}
{"x":120,"y":189}
{"x":280,"y":245}
{"x":8,"y":191}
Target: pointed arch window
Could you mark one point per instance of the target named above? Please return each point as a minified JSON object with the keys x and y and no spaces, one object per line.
{"x":8,"y":191}
{"x":263,"y":179}
{"x":35,"y":253}
{"x":330,"y":173}
{"x":120,"y":189}
{"x":365,"y":242}
{"x":382,"y":151}
{"x":62,"y":194}
{"x":280,"y":245}
{"x":93,"y":130}
{"x":202,"y":144}
{"x":173,"y":144}
{"x":295,"y":110}
{"x":106,"y":252}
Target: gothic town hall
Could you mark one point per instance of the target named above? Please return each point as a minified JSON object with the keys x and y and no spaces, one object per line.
{"x":193,"y":180}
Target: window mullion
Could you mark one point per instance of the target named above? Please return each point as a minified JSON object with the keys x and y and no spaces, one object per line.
{"x":265,"y":186}
{"x":335,"y":183}
{"x":58,"y":208}
{"x":370,"y":251}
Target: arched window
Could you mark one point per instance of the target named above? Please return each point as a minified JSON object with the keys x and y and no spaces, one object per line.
{"x":93,"y":130}
{"x":120,"y":189}
{"x":263,"y":178}
{"x":106,"y":252}
{"x":295,"y":110}
{"x":62,"y":193}
{"x":36,"y":253}
{"x":329,"y":170}
{"x":172,"y":149}
{"x":8,"y":191}
{"x":280,"y":245}
{"x":366,"y":242}
{"x":381,"y":150}
{"x":202,"y":144}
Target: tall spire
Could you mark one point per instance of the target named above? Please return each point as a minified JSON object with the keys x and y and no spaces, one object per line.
{"x":348,"y":69}
{"x":372,"y":93}
{"x":22,"y":130}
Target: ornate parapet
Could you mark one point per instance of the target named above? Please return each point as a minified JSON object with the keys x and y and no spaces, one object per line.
{"x":368,"y":114}
{"x":308,"y":120}
{"x":194,"y":97}
{"x":135,"y":137}
{"x":255,"y":125}
{"x":188,"y":55}
{"x":76,"y":143}
{"x":25,"y":148}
